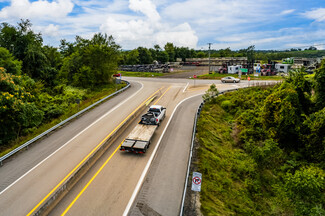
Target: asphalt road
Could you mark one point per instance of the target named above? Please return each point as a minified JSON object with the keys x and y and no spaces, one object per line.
{"x":30,"y":184}
{"x":31,"y":175}
{"x":162,"y":190}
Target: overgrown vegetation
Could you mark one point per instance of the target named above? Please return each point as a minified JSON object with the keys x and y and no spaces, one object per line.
{"x":262,"y":150}
{"x":170,"y":53}
{"x":40,"y":84}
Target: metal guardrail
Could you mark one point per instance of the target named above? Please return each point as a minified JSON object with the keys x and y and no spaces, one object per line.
{"x":190,"y":159}
{"x":194,"y":132}
{"x":26,"y":144}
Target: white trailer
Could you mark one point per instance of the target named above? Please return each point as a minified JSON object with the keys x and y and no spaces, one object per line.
{"x":234,"y":69}
{"x":283,"y":67}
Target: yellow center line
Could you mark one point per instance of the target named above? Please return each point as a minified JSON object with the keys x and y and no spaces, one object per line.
{"x":83,"y":160}
{"x":91,"y":180}
{"x":100,"y":169}
{"x":162,"y":96}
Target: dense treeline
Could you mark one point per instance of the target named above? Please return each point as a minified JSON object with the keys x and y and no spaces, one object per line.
{"x":171,"y":53}
{"x":263,"y":149}
{"x":39,"y":83}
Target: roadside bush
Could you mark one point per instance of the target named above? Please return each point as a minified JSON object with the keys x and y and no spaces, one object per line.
{"x":226,"y":105}
{"x":306,"y":188}
{"x":313,"y":137}
{"x":267,"y":154}
{"x":281,"y":116}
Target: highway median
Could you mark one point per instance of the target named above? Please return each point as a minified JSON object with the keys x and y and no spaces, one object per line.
{"x":59,"y":191}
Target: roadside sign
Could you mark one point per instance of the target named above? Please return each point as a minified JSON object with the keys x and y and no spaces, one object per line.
{"x":245,"y":70}
{"x":196,"y":181}
{"x":194,"y":76}
{"x":248,"y":78}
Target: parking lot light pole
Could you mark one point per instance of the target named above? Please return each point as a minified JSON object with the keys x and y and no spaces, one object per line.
{"x":209,"y":57}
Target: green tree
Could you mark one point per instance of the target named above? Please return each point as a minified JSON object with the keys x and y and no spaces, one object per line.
{"x":320,"y":86}
{"x":306,"y":188}
{"x":201,"y":54}
{"x":132,"y":58}
{"x":26,"y":46}
{"x":8,"y":62}
{"x":303,"y":88}
{"x":144,"y":56}
{"x":225,"y":52}
{"x":93,"y":63}
{"x":17,"y":112}
{"x":67,"y":48}
{"x":313,"y":137}
{"x":281,"y":114}
{"x":162,"y":57}
{"x":211,"y":93}
{"x":170,"y":49}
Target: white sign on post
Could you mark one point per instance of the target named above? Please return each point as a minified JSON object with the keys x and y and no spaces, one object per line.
{"x":196,"y":181}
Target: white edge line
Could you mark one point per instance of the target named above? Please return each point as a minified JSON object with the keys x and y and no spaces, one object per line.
{"x":186,"y":87}
{"x":103,"y":116}
{"x":144,"y":173}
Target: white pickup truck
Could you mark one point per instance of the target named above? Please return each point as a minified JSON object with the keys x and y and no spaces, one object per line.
{"x":154,"y":116}
{"x":139,"y":139}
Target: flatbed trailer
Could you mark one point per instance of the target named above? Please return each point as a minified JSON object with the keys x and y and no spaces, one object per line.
{"x":139,"y":139}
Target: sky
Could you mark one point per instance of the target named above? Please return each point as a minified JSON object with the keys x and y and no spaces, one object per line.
{"x":237,"y":24}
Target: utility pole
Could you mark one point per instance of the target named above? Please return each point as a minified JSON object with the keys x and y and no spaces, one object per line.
{"x":209,"y":57}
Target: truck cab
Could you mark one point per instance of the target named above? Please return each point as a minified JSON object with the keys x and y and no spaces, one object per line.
{"x":154,"y":116}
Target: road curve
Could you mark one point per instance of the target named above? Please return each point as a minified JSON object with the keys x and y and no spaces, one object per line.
{"x":111,"y":191}
{"x":77,"y":140}
{"x":162,"y":189}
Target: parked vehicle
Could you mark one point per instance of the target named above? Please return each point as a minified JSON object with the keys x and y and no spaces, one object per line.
{"x":117,"y":75}
{"x":224,"y":68}
{"x":230,"y":79}
{"x":269,"y":69}
{"x":283,"y":67}
{"x":139,"y":139}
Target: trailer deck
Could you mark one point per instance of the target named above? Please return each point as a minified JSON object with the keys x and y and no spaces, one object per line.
{"x":139,"y":139}
{"x":142,"y":132}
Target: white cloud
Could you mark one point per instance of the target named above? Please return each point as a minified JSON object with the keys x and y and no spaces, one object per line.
{"x":146,"y":7}
{"x":38,"y":9}
{"x":285,"y":12}
{"x":149,"y":30}
{"x":51,"y":30}
{"x":316,"y":14}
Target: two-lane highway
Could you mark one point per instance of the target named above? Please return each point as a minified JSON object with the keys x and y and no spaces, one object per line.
{"x":26,"y":190}
{"x":110,"y":186}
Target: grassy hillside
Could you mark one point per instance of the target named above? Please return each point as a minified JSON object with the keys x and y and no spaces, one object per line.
{"x":249,"y":165}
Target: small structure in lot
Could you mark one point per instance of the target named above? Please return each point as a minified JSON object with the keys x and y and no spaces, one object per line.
{"x":283,"y":67}
{"x":234,"y":69}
